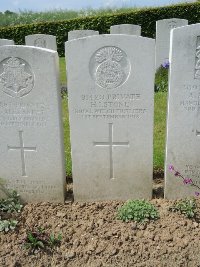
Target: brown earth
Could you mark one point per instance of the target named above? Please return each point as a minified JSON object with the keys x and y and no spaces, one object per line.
{"x":92,"y":237}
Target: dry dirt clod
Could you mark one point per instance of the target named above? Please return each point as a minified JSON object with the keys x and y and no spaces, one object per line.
{"x":61,"y":214}
{"x":70,"y":255}
{"x":133,"y":225}
{"x":114,"y":252}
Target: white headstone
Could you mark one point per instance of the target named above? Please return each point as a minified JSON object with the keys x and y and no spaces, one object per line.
{"x":126,"y":29}
{"x":183,"y":125}
{"x":41,"y":40}
{"x":6,"y":42}
{"x":80,"y":34}
{"x":31,"y":146}
{"x":163,"y":28}
{"x":111,"y":93}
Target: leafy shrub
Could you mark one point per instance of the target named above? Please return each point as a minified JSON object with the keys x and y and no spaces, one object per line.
{"x":137,"y":210}
{"x":146,"y":17}
{"x":11,"y":204}
{"x":6,"y":225}
{"x":186,"y":207}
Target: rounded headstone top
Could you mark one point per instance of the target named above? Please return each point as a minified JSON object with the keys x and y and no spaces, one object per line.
{"x":42,"y":40}
{"x":177,"y":19}
{"x":172,"y":23}
{"x":6,"y":42}
{"x":80,"y":34}
{"x":126,"y":29}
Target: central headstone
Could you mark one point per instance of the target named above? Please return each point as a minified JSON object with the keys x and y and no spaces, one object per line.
{"x":126,"y":29}
{"x":31,"y":143}
{"x":111,"y":116}
{"x":163,"y":28}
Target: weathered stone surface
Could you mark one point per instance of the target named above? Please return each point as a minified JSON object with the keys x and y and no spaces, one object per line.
{"x":80,"y":34}
{"x":126,"y":29}
{"x":110,"y":90}
{"x":42,"y":40}
{"x":183,"y":125}
{"x":31,"y":146}
{"x":6,"y":42}
{"x":163,"y":28}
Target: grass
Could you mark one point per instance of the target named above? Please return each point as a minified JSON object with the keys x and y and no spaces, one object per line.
{"x":63,"y":78}
{"x":160,"y":113}
{"x":67,"y":137}
{"x":160,"y":110}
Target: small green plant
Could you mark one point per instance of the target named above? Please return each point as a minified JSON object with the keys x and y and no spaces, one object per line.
{"x":33,"y":241}
{"x":137,"y":210}
{"x":7,"y":207}
{"x":39,"y":239}
{"x":11,"y":204}
{"x":6,"y":225}
{"x":54,"y":240}
{"x":186,"y":207}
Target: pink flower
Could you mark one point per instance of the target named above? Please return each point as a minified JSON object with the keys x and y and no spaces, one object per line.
{"x":187,"y":181}
{"x":171,"y":168}
{"x":197,"y":194}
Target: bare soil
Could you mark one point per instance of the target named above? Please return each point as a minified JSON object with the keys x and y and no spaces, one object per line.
{"x":93,"y":237}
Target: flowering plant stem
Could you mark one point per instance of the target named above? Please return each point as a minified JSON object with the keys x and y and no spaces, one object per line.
{"x":186,"y":181}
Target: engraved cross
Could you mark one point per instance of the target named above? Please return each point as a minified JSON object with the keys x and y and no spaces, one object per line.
{"x":22,"y":149}
{"x":111,"y":144}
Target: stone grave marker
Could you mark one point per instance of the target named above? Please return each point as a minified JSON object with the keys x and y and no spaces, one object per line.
{"x":6,"y":42}
{"x":163,"y":28}
{"x":111,"y":94}
{"x":126,"y":29}
{"x":80,"y":34}
{"x":42,"y":40}
{"x":183,"y":124}
{"x":31,"y":146}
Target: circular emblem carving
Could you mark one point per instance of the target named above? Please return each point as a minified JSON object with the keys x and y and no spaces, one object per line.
{"x":16,"y":77}
{"x":109,"y":67}
{"x":40,"y":42}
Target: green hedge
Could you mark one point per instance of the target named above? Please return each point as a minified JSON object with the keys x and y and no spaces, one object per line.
{"x":145,"y":17}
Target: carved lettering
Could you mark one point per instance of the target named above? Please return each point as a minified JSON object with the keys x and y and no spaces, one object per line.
{"x":193,"y":172}
{"x":110,"y":106}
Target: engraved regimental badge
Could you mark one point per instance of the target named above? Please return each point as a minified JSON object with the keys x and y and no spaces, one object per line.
{"x":16,"y":77}
{"x":109,"y":67}
{"x":40,"y":42}
{"x":172,"y":25}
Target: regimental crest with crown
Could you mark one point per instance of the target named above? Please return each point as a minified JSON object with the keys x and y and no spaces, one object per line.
{"x":110,"y":67}
{"x":17,"y":79}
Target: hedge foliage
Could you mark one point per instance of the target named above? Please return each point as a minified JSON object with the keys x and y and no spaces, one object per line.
{"x":145,"y":17}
